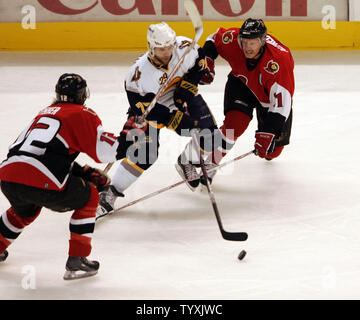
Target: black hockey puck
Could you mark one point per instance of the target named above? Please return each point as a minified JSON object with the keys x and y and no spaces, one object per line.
{"x":242,"y":255}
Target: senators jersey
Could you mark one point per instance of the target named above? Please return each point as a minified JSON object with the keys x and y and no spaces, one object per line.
{"x":271,"y":80}
{"x":145,"y":79}
{"x":43,"y":153}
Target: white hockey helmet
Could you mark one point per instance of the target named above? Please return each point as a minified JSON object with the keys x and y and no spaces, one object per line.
{"x":160,"y":35}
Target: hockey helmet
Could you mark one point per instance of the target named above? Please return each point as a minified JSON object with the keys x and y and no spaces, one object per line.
{"x":252,"y":29}
{"x":160,"y":35}
{"x":72,"y":88}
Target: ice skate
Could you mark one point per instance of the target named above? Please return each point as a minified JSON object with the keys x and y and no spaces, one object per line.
{"x":107,"y":201}
{"x":80,"y":267}
{"x":3,"y":256}
{"x":187,"y":171}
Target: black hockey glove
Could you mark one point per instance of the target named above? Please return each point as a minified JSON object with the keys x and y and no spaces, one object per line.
{"x":184,"y":92}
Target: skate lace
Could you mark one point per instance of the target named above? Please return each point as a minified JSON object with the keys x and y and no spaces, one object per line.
{"x":108,"y":197}
{"x":190,"y":170}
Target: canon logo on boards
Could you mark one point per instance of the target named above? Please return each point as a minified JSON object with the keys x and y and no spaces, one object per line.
{"x":298,"y":8}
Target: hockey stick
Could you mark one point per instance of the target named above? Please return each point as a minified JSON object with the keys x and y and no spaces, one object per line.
{"x":198,"y":26}
{"x":108,"y":167}
{"x":233,"y":236}
{"x":155,"y":193}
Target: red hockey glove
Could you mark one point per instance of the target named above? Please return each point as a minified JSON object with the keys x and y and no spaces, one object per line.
{"x":96,"y":177}
{"x":132,"y":129}
{"x":131,"y":133}
{"x":209,"y":74}
{"x":264,"y":143}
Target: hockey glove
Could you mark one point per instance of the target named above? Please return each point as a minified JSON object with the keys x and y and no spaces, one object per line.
{"x":96,"y":177}
{"x":131,"y":129}
{"x":264,"y":143}
{"x":130,"y":134}
{"x":209,"y":74}
{"x":184,"y":92}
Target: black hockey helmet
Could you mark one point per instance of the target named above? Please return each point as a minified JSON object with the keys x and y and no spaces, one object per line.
{"x":71,"y":88}
{"x":252,"y":29}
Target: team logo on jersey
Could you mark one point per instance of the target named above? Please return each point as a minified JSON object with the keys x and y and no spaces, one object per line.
{"x":202,"y":64}
{"x":137,"y":75}
{"x":227,"y":37}
{"x":272,"y":67}
{"x":163,"y":79}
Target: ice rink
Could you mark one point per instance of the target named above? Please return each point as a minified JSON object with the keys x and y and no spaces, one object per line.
{"x":301,"y":211}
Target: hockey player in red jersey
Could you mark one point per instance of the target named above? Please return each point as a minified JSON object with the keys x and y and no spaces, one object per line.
{"x":261,"y":78}
{"x":40,"y":172}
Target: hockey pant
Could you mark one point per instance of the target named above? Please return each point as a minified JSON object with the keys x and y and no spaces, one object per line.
{"x":142,"y":155}
{"x":27,"y":202}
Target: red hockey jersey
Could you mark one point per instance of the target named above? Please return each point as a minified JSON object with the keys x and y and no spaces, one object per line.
{"x":43,"y":153}
{"x":272,"y":80}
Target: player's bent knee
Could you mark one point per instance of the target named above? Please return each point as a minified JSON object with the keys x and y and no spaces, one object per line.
{"x":89,"y":210}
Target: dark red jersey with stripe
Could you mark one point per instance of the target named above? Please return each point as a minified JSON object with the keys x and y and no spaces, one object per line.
{"x":43,"y":153}
{"x":272,"y":80}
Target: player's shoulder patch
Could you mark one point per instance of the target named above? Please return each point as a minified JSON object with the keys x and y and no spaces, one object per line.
{"x":136,"y":75}
{"x":227,"y":36}
{"x":272,"y":67}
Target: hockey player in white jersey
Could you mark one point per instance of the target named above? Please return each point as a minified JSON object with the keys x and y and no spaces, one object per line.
{"x":180,"y":108}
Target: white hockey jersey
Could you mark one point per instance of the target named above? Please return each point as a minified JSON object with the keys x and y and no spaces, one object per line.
{"x":144,"y":77}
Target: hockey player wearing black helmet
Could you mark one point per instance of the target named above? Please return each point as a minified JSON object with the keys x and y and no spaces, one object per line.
{"x":252,"y":37}
{"x":40,"y":171}
{"x":72,"y":88}
{"x":261,"y":79}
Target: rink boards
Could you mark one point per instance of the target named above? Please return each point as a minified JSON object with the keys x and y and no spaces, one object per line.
{"x":126,"y":36}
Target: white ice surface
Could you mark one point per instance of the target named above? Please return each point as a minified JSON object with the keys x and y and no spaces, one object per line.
{"x":301,"y":211}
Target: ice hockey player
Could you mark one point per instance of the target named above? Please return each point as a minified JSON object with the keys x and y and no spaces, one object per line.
{"x":40,"y":171}
{"x":262,"y":78}
{"x":180,"y":108}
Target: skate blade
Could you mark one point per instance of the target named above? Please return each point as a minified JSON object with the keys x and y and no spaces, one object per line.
{"x":100,"y":213}
{"x":179,"y":170}
{"x":73,"y":275}
{"x":203,"y":188}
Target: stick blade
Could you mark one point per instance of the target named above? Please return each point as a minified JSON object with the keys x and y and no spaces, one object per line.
{"x":195,"y":17}
{"x":234,"y":236}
